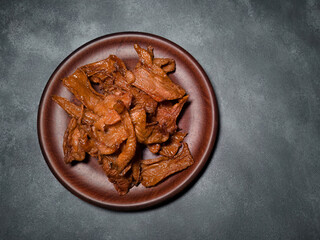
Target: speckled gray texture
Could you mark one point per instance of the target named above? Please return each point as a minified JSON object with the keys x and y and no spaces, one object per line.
{"x":263,"y":58}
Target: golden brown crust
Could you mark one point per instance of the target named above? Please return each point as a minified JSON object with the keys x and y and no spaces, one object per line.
{"x":153,"y":80}
{"x":130,"y":109}
{"x":170,"y":148}
{"x":155,"y":170}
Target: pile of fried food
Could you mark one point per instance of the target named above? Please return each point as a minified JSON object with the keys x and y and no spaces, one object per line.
{"x":129,"y":110}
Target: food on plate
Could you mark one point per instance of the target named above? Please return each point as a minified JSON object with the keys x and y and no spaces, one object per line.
{"x":117,"y":112}
{"x":155,"y":170}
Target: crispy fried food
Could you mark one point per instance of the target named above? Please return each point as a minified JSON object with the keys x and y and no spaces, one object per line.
{"x":101,"y":69}
{"x":129,"y":110}
{"x":170,"y":148}
{"x":167,"y":64}
{"x":158,"y":135}
{"x":139,"y":97}
{"x":167,"y":114}
{"x":87,"y":116}
{"x":139,"y":118}
{"x":136,"y":170}
{"x":144,"y":100}
{"x":153,"y":80}
{"x":155,"y":170}
{"x":74,"y":142}
{"x":79,"y":85}
{"x":129,"y":148}
{"x":113,"y":136}
{"x":121,"y":183}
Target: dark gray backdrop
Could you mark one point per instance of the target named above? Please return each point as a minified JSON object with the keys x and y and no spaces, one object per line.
{"x":264,"y":63}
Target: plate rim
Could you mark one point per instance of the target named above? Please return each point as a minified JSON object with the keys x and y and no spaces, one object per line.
{"x":168,"y":195}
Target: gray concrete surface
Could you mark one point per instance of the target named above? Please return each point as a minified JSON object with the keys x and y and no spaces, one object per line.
{"x":263,"y":58}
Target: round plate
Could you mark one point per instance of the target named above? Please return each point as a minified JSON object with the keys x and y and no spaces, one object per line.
{"x":87,"y":179}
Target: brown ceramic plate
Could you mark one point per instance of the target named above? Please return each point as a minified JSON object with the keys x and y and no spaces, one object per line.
{"x":199,"y":118}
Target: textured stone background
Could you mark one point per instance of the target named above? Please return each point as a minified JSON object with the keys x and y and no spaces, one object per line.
{"x":263,"y":57}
